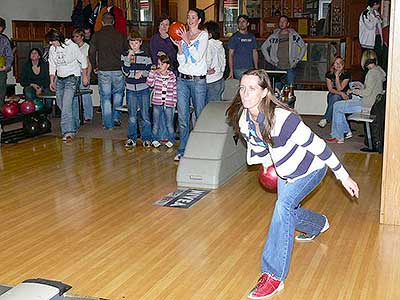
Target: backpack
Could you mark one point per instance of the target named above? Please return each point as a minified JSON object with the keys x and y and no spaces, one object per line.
{"x":378,"y":125}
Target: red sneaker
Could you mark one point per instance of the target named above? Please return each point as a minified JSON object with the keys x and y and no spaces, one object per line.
{"x":335,"y":140}
{"x":266,"y":287}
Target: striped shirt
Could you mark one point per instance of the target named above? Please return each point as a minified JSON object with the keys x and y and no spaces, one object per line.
{"x":296,"y":151}
{"x":140,"y":62}
{"x":164,"y":88}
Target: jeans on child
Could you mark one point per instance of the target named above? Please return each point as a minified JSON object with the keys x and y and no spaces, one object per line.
{"x":160,"y":113}
{"x":139,"y":99}
{"x":287,"y":218}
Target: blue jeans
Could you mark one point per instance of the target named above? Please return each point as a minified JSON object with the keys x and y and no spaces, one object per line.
{"x":111,"y":86}
{"x":163,"y":116}
{"x":65,"y":91}
{"x":288,"y":216}
{"x":339,"y":122}
{"x":87,"y":102}
{"x":215,"y":90}
{"x":290,"y":77}
{"x":331,"y":100}
{"x":186,"y":89}
{"x":141,"y":100}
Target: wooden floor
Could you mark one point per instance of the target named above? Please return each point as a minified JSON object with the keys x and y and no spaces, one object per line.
{"x":84,"y":214}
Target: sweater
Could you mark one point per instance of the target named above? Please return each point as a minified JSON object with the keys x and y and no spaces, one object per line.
{"x":193,"y":59}
{"x":106,"y":47}
{"x":164,"y":92}
{"x":157,"y":44}
{"x":373,"y":86}
{"x":296,"y":151}
{"x":297,"y":48}
{"x":140,"y":62}
{"x":28,"y":77}
{"x":369,"y":22}
{"x":66,"y":59}
{"x":215,"y":60}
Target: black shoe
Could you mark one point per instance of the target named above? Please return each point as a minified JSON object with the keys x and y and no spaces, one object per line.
{"x":98,"y":110}
{"x":117,"y":123}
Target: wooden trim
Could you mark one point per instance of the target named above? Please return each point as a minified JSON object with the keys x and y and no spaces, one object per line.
{"x":390,"y":193}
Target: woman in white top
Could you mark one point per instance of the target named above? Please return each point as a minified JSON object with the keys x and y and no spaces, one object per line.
{"x":216,"y":63}
{"x":66,"y":63}
{"x":191,"y":83}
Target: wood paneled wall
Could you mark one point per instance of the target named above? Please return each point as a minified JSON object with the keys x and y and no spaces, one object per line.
{"x":390,"y":198}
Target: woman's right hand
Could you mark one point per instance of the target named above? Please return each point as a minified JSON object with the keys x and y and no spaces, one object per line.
{"x":351,"y":187}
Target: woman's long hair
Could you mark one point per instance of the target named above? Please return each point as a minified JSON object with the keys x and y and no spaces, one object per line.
{"x":266,"y":106}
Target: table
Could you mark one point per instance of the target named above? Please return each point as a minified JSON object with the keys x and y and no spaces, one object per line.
{"x":79,"y":93}
{"x":275,"y":73}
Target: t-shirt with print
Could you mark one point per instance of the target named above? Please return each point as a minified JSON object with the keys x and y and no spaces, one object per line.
{"x":345,"y":75}
{"x":283,"y":51}
{"x":243,"y":45}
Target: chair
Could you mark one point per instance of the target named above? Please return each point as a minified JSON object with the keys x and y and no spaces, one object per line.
{"x":367,"y":119}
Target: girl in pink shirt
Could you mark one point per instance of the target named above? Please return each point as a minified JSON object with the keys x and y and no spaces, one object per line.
{"x":163,"y":80}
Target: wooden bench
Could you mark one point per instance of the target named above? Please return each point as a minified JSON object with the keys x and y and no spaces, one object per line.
{"x":367,"y":119}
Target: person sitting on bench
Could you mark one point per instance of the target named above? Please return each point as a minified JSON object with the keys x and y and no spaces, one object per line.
{"x":373,"y":86}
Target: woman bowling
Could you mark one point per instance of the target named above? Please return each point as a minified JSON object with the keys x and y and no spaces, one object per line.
{"x":275,"y":134}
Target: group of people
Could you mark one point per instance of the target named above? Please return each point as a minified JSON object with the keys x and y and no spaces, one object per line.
{"x":183,"y":73}
{"x":190,"y":72}
{"x":346,"y":97}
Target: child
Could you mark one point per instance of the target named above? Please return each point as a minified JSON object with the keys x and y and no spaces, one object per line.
{"x":135,"y":66}
{"x":164,"y":99}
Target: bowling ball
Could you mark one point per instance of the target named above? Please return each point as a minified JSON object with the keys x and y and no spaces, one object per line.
{"x":38,"y":104}
{"x":173,"y":30}
{"x":27,"y":107}
{"x":44,"y":125}
{"x":2,"y":61}
{"x":31,"y":127}
{"x":10,"y":109}
{"x":268,"y":178}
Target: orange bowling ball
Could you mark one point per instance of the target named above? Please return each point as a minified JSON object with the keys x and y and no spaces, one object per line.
{"x":268,"y":178}
{"x":174,"y":29}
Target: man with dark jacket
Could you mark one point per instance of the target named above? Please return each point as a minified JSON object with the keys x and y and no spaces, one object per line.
{"x":105,"y":51}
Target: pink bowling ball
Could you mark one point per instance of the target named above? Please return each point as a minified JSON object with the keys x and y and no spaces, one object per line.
{"x":27,"y":107}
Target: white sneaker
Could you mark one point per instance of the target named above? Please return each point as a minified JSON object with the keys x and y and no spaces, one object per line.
{"x":305,"y":237}
{"x":348,"y":135}
{"x":130,"y":143}
{"x":322,"y":123}
{"x":156,"y":144}
{"x":146,"y":144}
{"x":178,"y":157}
{"x":169,"y":144}
{"x":68,"y":137}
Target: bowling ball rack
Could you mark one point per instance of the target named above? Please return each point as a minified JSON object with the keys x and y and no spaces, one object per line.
{"x":18,"y":134}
